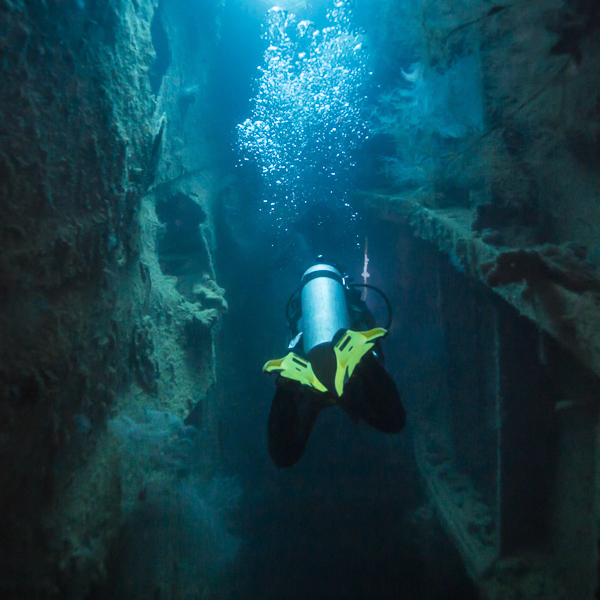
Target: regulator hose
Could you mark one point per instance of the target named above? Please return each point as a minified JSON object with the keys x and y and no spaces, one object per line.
{"x":385,"y":298}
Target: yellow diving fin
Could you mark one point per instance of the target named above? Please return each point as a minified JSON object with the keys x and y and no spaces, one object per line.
{"x":349,"y":350}
{"x":294,"y":367}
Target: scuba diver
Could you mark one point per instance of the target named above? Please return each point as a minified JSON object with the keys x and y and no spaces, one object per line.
{"x":334,"y":358}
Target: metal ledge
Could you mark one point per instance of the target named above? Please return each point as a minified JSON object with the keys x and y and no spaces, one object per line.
{"x":571,"y":316}
{"x":468,"y":521}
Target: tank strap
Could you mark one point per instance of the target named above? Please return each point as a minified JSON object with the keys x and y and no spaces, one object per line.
{"x":351,"y":347}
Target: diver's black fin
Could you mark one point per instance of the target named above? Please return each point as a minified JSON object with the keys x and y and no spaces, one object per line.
{"x":372,"y":395}
{"x":293,"y":413}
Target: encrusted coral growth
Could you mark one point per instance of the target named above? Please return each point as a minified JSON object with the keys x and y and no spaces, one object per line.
{"x":536,"y":148}
{"x":75,"y":128}
{"x":433,"y":117}
{"x":143,"y":361}
{"x":210,"y":295}
{"x":562,"y":265}
{"x":190,"y":33}
{"x":156,"y":445}
{"x":87,"y":330}
{"x":174,"y":508}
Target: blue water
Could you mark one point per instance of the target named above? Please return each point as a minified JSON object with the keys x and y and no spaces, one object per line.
{"x":338,"y":524}
{"x":309,"y":113}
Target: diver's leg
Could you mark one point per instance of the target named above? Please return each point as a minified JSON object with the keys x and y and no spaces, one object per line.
{"x":372,"y":395}
{"x":293,"y":413}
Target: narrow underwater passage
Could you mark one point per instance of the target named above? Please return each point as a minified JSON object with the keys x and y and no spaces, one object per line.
{"x":351,"y":519}
{"x":190,"y":192}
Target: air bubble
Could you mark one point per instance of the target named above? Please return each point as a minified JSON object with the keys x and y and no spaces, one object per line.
{"x":307,"y":118}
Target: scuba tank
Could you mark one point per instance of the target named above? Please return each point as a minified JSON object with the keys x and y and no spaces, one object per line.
{"x":324,"y":313}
